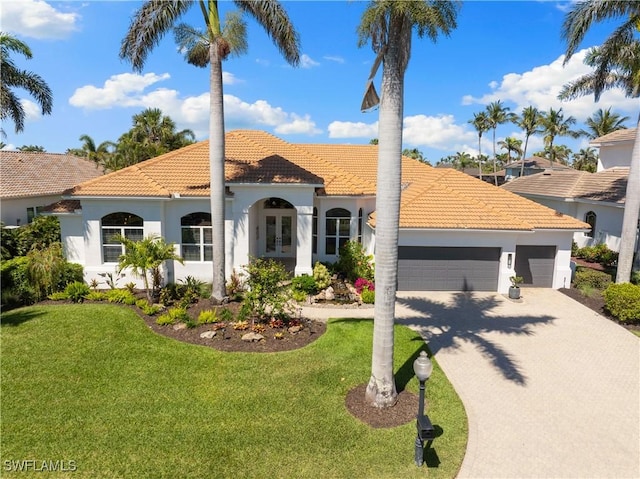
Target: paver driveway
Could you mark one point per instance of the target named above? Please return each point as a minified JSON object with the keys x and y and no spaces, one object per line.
{"x":551,"y":388}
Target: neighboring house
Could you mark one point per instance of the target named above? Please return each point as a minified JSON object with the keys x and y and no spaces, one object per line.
{"x":301,"y":202}
{"x":596,"y":198}
{"x":615,"y":148}
{"x":532,"y":166}
{"x":475,"y":172}
{"x":32,"y":180}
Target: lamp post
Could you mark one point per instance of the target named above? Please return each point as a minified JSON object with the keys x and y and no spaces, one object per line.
{"x":422,"y":367}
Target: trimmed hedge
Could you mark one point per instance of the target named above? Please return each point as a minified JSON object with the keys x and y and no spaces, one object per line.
{"x":593,"y":278}
{"x":623,"y":301}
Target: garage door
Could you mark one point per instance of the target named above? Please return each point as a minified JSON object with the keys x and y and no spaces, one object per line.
{"x":447,"y":269}
{"x":535,"y":265}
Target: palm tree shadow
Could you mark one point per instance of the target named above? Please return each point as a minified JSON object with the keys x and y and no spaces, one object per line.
{"x":468,"y":319}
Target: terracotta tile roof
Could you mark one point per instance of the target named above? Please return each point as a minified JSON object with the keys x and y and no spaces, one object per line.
{"x":24,"y":174}
{"x":537,"y":162}
{"x":626,"y":134}
{"x":431,"y":197}
{"x":63,"y":206}
{"x":608,"y":185}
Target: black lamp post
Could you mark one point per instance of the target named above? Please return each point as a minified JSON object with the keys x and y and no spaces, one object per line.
{"x":422,"y":367}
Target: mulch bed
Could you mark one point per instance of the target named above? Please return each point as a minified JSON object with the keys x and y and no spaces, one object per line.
{"x":403,"y":412}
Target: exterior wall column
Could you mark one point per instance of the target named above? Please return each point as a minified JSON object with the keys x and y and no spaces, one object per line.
{"x":304,"y":260}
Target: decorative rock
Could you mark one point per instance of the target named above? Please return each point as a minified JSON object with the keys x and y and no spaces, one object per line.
{"x":295,"y":329}
{"x":252,"y":337}
{"x":179,"y":326}
{"x":329,"y":294}
{"x":208,"y":334}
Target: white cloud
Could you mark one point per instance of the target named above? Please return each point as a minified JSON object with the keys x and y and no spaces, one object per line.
{"x":121,"y":90}
{"x":440,"y":132}
{"x":298,"y":125}
{"x":540,"y":87}
{"x":336,"y":59}
{"x":307,"y":62}
{"x":350,"y":129}
{"x":229,"y":79}
{"x":32,"y":111}
{"x":263,"y":62}
{"x":37,"y":19}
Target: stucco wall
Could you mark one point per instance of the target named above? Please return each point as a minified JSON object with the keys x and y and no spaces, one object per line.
{"x":615,"y":155}
{"x":14,"y":209}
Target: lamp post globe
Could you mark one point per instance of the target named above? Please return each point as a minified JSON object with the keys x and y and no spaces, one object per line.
{"x":422,"y":367}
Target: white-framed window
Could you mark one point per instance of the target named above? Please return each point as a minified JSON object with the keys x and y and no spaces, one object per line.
{"x":590,"y":218}
{"x":338,"y":230}
{"x":197,"y":237}
{"x":119,"y":224}
{"x":314,"y":231}
{"x":32,"y":212}
{"x":360,"y":224}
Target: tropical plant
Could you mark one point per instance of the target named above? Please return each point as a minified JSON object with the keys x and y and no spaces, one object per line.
{"x":511,"y":145}
{"x":529,"y":121}
{"x":268,"y":294}
{"x":321,"y":275}
{"x":12,"y":77}
{"x":586,"y":160}
{"x":603,"y":122}
{"x":553,"y":123}
{"x":497,"y":114}
{"x":481,"y":123}
{"x":145,"y":257}
{"x":32,"y":148}
{"x":388,"y":25}
{"x":616,"y":64}
{"x":623,"y":301}
{"x":462,"y":160}
{"x":210,"y":47}
{"x":99,"y":154}
{"x":354,"y":262}
{"x":415,"y":154}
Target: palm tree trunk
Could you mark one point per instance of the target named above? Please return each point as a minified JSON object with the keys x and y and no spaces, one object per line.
{"x":495,"y":160}
{"x":381,"y":390}
{"x":631,"y":212}
{"x":216,"y":168}
{"x":524,"y":156}
{"x":480,"y":155}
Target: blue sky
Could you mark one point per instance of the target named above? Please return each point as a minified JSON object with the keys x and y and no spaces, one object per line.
{"x":509,"y":51}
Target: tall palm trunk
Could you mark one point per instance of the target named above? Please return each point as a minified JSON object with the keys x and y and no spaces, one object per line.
{"x":631,"y":212}
{"x":381,"y":390}
{"x":216,"y":168}
{"x":480,"y":155}
{"x":495,"y":160}
{"x":524,"y":156}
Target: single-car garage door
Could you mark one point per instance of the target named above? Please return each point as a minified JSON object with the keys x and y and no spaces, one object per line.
{"x":535,"y":265}
{"x":423,"y":268}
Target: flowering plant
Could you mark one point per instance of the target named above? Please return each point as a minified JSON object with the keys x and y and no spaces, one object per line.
{"x":362,"y":283}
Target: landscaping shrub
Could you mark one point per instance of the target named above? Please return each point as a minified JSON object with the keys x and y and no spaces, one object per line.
{"x":623,"y":301}
{"x":591,"y":277}
{"x":147,"y":308}
{"x":305,"y":284}
{"x":191,"y":287}
{"x":354,"y":263}
{"x":121,"y":296}
{"x":368,"y":296}
{"x":77,"y":291}
{"x":268,"y":296}
{"x":176,"y":315}
{"x":58,"y":296}
{"x":635,"y":277}
{"x":226,"y":315}
{"x":362,"y":283}
{"x":208,"y":316}
{"x":599,"y":253}
{"x":235,"y":286}
{"x":96,"y":296}
{"x":39,"y":234}
{"x":321,"y":276}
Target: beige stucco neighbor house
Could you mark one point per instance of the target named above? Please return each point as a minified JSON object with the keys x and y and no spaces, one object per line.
{"x":31,"y":180}
{"x":301,"y":202}
{"x":596,"y":198}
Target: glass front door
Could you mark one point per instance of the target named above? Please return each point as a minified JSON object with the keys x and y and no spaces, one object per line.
{"x":279,"y":234}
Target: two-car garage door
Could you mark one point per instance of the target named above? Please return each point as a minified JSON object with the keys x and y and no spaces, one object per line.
{"x":423,"y":268}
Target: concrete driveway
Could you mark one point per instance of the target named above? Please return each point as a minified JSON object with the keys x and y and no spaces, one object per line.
{"x":551,"y":388}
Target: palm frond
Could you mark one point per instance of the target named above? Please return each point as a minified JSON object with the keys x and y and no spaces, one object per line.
{"x":235,"y":33}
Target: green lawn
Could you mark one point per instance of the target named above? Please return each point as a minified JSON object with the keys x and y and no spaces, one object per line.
{"x":93,"y":385}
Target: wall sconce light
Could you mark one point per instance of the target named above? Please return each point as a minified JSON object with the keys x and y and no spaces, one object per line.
{"x":509,"y":260}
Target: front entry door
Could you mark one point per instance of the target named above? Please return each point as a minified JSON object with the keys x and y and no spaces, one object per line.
{"x":279,"y":234}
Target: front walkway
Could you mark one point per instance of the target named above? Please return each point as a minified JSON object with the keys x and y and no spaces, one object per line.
{"x":551,"y":388}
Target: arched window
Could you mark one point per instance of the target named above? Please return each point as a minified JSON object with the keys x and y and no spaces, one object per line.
{"x":314,"y":231}
{"x":197,"y":237}
{"x":338,"y":231}
{"x":590,"y":217}
{"x":277,"y":203}
{"x":119,"y":224}
{"x":360,"y":225}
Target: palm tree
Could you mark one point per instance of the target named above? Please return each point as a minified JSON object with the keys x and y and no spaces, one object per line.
{"x":497,"y":114}
{"x":144,"y":258}
{"x":529,"y":121}
{"x":586,"y":160}
{"x":32,"y":148}
{"x":151,"y":127}
{"x":603,"y":122}
{"x":553,"y":123}
{"x":389,"y":25}
{"x":462,"y":160}
{"x":210,"y":47}
{"x":12,"y":77}
{"x":511,"y":145}
{"x":415,"y":154}
{"x":481,"y":123}
{"x":616,"y":65}
{"x":98,"y":154}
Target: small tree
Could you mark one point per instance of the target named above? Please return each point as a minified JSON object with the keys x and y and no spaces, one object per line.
{"x":145,"y":257}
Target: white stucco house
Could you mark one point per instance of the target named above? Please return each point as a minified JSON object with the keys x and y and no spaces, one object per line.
{"x":301,"y":202}
{"x":30,"y":181}
{"x":595,"y":198}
